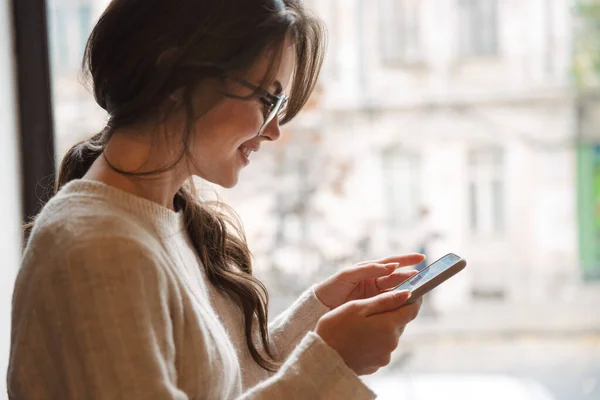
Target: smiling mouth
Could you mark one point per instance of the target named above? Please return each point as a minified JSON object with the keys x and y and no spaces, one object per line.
{"x":247,"y":151}
{"x":245,"y":155}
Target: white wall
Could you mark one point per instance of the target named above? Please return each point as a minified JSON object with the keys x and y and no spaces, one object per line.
{"x":9,"y":188}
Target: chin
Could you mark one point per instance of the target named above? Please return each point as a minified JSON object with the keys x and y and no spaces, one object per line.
{"x":228,"y":185}
{"x":225,"y":179}
{"x":225,"y":182}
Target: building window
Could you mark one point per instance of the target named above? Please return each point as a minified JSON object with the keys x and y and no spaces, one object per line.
{"x":549,"y":37}
{"x":478,"y":27}
{"x":486,"y":191}
{"x":401,"y":174}
{"x":400,"y":33}
{"x":70,"y":27}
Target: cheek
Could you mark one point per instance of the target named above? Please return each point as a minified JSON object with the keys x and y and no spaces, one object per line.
{"x":243,"y":120}
{"x":229,"y":124}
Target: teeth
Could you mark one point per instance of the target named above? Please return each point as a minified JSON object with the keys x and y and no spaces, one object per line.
{"x":247,"y":151}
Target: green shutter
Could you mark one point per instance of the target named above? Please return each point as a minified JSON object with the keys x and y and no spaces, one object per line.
{"x":588,"y":166}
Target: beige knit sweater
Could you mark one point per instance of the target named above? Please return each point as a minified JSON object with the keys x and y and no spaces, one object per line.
{"x":112,"y":303}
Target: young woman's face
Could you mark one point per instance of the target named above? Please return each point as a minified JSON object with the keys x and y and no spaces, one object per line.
{"x":230,"y":128}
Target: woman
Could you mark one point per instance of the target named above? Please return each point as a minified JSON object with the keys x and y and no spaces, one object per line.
{"x":131,"y":287}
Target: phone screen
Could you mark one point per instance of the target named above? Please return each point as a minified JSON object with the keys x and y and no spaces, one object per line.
{"x":429,"y":272}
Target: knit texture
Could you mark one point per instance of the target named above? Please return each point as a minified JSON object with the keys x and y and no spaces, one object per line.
{"x":111,"y":302}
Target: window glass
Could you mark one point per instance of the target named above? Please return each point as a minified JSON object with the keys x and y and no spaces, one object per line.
{"x":478,"y":27}
{"x":486,"y":190}
{"x":401,"y":170}
{"x":76,"y":115}
{"x":10,"y":211}
{"x":437,"y":160}
{"x":400,"y":25}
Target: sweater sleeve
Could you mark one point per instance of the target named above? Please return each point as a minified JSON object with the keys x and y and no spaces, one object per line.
{"x":313,"y":371}
{"x":93,"y":324}
{"x":288,"y":329}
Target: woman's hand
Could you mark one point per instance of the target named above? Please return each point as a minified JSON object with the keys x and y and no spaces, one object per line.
{"x":366,"y":332}
{"x":366,"y":279}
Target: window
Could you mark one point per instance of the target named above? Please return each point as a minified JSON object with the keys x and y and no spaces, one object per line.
{"x":84,"y":14}
{"x":69,"y":28}
{"x":486,"y":191}
{"x":549,"y":37}
{"x":325,"y":196}
{"x":478,"y":27}
{"x":335,"y":39}
{"x":401,"y":186}
{"x":10,"y":229}
{"x":76,"y":115}
{"x":291,"y":205}
{"x":400,"y":36}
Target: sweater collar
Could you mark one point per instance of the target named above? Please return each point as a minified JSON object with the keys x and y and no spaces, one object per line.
{"x":162,"y":217}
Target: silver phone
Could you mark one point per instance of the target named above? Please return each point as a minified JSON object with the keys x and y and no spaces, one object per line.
{"x":432,"y":275}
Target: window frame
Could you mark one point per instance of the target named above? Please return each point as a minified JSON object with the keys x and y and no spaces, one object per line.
{"x":35,"y":113}
{"x":487,"y":197}
{"x":475,"y":17}
{"x":394,"y":16}
{"x":412,"y":161}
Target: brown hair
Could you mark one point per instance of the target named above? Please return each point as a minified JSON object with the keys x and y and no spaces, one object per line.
{"x":142,"y":51}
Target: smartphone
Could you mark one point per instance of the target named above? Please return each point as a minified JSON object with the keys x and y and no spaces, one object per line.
{"x":432,"y":275}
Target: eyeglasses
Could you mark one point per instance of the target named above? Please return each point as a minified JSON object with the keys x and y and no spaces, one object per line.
{"x":274,"y":105}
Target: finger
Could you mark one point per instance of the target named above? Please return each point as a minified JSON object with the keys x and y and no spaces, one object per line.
{"x":369,"y":271}
{"x":405,"y":314}
{"x":403,"y":260}
{"x":384,"y":302}
{"x":393,"y":280}
{"x":400,"y":331}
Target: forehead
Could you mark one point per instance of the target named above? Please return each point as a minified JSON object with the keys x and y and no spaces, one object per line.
{"x":284,"y":62}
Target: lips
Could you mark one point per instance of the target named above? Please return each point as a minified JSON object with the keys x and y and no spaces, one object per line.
{"x":248,"y":150}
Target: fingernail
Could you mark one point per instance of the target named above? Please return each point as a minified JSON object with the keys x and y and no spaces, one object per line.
{"x":403,"y":293}
{"x":392,"y":265}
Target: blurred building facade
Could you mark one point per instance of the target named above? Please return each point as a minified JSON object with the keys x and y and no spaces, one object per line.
{"x":463,"y":108}
{"x":444,"y":126}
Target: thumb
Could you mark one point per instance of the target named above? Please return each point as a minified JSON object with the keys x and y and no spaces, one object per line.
{"x":368,"y":271}
{"x":388,"y":301}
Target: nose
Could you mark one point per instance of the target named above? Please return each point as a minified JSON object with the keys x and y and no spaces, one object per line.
{"x":272,"y":131}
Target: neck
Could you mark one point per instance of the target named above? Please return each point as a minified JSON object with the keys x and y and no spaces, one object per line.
{"x":132,"y":155}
